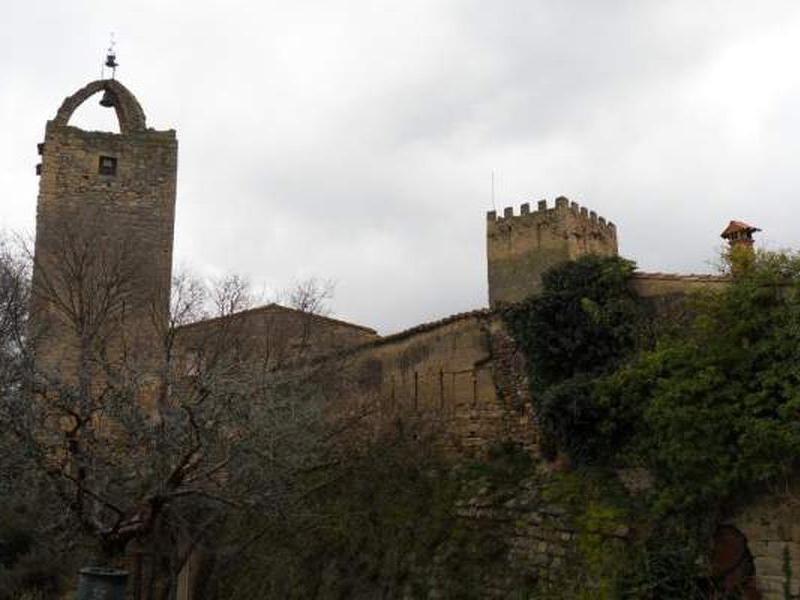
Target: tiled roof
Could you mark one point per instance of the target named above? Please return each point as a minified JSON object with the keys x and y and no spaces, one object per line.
{"x":736,"y":226}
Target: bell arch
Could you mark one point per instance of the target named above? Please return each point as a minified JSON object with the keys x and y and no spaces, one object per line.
{"x":129,"y":112}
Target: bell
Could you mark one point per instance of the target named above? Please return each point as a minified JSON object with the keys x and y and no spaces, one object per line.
{"x":108,"y":99}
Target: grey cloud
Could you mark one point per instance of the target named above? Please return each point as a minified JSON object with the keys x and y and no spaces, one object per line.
{"x":355,"y":140}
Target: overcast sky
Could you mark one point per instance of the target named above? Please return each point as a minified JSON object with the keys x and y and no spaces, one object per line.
{"x":355,"y":140}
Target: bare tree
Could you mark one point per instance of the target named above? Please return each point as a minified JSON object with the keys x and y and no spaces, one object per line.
{"x":135,"y":447}
{"x":14,"y":297}
{"x":311,"y":296}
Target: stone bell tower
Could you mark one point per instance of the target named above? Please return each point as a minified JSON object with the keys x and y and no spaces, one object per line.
{"x":104,"y":231}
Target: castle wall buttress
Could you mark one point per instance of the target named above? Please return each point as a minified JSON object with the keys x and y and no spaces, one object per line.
{"x":104,"y":232}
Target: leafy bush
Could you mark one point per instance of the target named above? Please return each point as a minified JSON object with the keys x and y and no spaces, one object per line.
{"x":585,"y":319}
{"x":585,"y":322}
{"x":710,"y":406}
{"x":719,"y":405}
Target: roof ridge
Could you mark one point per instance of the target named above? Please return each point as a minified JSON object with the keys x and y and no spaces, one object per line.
{"x":275,"y":305}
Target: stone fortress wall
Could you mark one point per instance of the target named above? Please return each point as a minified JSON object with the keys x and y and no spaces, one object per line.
{"x":460,"y":378}
{"x":462,"y":375}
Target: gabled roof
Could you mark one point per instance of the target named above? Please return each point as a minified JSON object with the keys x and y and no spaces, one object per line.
{"x":274,"y":307}
{"x":736,"y":227}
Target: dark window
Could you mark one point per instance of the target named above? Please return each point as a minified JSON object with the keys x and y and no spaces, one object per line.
{"x":108,"y":165}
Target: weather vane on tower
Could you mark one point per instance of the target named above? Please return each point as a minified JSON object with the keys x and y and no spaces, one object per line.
{"x":111,"y":62}
{"x":111,"y":57}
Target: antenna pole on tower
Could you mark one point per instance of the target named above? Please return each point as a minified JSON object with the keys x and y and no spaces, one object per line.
{"x":494,"y":207}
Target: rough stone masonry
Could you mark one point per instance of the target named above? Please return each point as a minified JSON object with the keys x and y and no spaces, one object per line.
{"x":106,"y":210}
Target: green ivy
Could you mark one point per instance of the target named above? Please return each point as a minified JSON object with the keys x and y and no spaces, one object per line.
{"x":585,"y":318}
{"x":709,"y":404}
{"x":716,"y":409}
{"x":584,"y":323}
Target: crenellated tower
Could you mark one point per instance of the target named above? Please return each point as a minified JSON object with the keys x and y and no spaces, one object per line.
{"x":104,"y":233}
{"x":520,"y":248}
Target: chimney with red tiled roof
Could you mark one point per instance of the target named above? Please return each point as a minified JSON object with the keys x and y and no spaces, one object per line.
{"x":740,"y":239}
{"x":739,"y":233}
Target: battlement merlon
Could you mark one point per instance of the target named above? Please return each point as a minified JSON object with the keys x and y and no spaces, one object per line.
{"x":544,"y":213}
{"x":521,"y":245}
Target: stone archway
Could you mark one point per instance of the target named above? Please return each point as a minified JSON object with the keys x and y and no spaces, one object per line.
{"x":129,"y":112}
{"x":732,"y":566}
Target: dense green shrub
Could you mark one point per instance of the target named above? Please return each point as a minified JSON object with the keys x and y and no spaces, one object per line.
{"x":718,"y":406}
{"x":585,"y":322}
{"x":710,"y":406}
{"x":586,"y":318}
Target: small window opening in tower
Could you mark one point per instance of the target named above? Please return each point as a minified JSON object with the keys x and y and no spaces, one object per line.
{"x":108,"y":165}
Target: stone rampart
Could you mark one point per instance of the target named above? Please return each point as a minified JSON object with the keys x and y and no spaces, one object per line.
{"x":461,"y":376}
{"x":662,"y":285}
